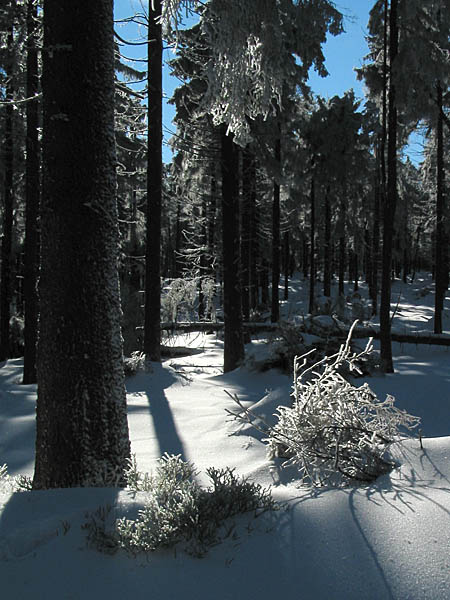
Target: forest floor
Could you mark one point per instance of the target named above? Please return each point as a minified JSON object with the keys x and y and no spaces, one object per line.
{"x":386,"y":540}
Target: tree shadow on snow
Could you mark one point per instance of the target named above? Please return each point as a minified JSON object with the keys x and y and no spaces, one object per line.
{"x":153,"y":385}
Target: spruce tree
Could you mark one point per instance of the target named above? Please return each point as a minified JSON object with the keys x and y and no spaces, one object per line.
{"x":82,"y":432}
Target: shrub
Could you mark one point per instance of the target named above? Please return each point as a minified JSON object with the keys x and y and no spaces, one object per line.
{"x":177,"y":509}
{"x":334,"y":428}
{"x":134,"y":363}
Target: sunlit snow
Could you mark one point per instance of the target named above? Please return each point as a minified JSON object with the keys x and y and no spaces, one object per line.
{"x":387,"y":540}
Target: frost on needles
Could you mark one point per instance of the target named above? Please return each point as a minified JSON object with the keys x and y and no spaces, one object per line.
{"x":334,"y":432}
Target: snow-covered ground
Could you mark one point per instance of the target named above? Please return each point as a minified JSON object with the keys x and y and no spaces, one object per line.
{"x":387,"y":540}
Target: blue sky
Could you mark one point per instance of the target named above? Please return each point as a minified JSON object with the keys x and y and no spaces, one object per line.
{"x":342,"y":54}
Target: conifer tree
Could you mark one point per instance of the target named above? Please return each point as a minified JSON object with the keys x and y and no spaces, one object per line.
{"x":33,"y":186}
{"x":82,"y":432}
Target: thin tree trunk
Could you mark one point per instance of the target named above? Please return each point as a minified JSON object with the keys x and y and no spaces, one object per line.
{"x":342,"y":247}
{"x":32,"y":191}
{"x":246,"y":231}
{"x":390,"y":203}
{"x":8,"y":199}
{"x":232,"y":302}
{"x":305,"y":257}
{"x":327,"y":247}
{"x":287,"y":264}
{"x":440,"y":237}
{"x":152,"y":332}
{"x":81,"y":428}
{"x":254,"y":243}
{"x":312,"y":259}
{"x":375,"y":243}
{"x":275,"y":314}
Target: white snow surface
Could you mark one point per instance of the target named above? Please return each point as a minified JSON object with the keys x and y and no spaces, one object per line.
{"x":388,"y":540}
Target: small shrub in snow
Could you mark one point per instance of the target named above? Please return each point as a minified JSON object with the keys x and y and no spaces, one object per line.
{"x":177,"y":509}
{"x":134,"y":363}
{"x":18,"y":483}
{"x":334,"y":428}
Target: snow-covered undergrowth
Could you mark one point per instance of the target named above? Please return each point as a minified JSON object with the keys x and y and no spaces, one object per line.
{"x":334,"y":432}
{"x":178,"y":511}
{"x":388,"y":539}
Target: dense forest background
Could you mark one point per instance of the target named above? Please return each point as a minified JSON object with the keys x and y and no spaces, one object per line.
{"x":267,"y":179}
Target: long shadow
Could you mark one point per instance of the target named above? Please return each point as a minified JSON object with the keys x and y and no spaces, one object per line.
{"x":153,"y":385}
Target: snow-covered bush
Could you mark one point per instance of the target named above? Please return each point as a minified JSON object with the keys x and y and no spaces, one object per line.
{"x":134,"y":363}
{"x":180,"y":296}
{"x":334,"y":431}
{"x":177,"y":509}
{"x":9,"y":483}
{"x":335,"y":427}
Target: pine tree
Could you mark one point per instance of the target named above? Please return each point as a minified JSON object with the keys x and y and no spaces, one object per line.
{"x":82,"y":432}
{"x":33,"y":186}
{"x":152,"y":332}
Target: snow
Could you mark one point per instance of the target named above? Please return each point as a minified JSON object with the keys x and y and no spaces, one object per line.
{"x":389,"y":540}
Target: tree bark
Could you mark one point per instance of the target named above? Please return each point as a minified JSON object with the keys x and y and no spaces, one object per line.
{"x":82,"y":431}
{"x":152,"y":332}
{"x":275,"y":313}
{"x":32,"y":198}
{"x":287,"y":264}
{"x":232,"y":302}
{"x":327,"y":247}
{"x":247,"y":184}
{"x":390,"y":202}
{"x":312,"y":259}
{"x":440,"y":236}
{"x":8,"y":200}
{"x":342,"y":246}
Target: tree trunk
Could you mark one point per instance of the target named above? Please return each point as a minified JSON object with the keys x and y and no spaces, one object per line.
{"x":275,"y":314}
{"x":342,"y":247}
{"x":254,"y":243}
{"x":390,"y":203}
{"x":152,"y":332}
{"x":32,"y":194}
{"x":312,"y":259}
{"x":8,"y":199}
{"x":287,"y":264}
{"x":232,"y":302}
{"x":375,"y":242}
{"x":82,"y":431}
{"x":246,"y":231}
{"x":327,"y":247}
{"x":440,"y":237}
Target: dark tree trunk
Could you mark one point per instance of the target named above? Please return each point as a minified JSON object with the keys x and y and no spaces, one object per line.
{"x":232,"y":302}
{"x":152,"y":332}
{"x":342,"y":247}
{"x":305,"y":257}
{"x":375,"y":246}
{"x":32,"y":192}
{"x":390,"y":203}
{"x":312,"y":258}
{"x":327,"y":247}
{"x":440,"y":236}
{"x":275,"y":314}
{"x":368,"y":258}
{"x":254,"y":244}
{"x":8,"y":199}
{"x":264,"y":282}
{"x":355,"y":268}
{"x":202,"y":262}
{"x":82,"y":431}
{"x":287,"y":264}
{"x":178,"y":234}
{"x":246,"y":231}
